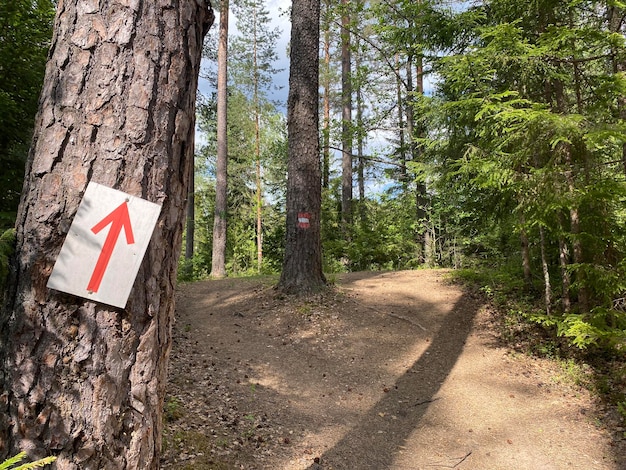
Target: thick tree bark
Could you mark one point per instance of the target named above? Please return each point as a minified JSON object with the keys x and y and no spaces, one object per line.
{"x":218,"y":257}
{"x":79,"y":379}
{"x":302,"y":266}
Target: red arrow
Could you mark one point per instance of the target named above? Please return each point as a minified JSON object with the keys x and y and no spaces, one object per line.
{"x":118,"y":219}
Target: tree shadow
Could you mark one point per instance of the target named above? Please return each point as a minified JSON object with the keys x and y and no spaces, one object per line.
{"x":373,"y":442}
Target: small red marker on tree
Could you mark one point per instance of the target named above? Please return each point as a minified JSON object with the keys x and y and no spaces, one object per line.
{"x":304,"y":219}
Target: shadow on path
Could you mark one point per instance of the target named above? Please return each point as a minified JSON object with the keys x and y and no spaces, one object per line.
{"x":380,"y":434}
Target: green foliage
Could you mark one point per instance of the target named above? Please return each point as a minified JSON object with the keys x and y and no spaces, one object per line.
{"x":527,"y":134}
{"x":173,"y":410}
{"x":202,"y":444}
{"x":7,"y":247}
{"x":241,"y":251}
{"x":10,"y":463}
{"x":602,"y":328}
{"x":621,"y":408}
{"x":26,"y":33}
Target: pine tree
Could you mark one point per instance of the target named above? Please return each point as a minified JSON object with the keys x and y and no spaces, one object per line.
{"x":218,"y":259}
{"x":302,"y":266}
{"x":253,"y":52}
{"x":81,"y":379}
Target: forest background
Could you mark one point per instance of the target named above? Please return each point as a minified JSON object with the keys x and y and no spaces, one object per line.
{"x":511,"y":163}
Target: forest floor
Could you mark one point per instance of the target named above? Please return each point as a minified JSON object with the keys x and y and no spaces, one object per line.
{"x":387,"y":370}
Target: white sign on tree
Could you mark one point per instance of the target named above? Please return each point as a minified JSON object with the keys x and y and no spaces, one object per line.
{"x":105,"y":245}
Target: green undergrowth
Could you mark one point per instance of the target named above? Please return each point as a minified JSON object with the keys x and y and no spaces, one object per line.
{"x":589,"y":349}
{"x":196,"y":444}
{"x":7,"y":246}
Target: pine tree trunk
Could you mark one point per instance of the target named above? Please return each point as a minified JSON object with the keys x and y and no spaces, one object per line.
{"x":326,"y":98}
{"x":346,"y":119}
{"x":190,"y":223}
{"x":302,"y":266}
{"x":78,"y":379}
{"x":218,"y":256}
{"x":429,"y":254}
{"x":360,"y":149}
{"x":420,"y":189}
{"x":257,"y":150}
{"x":259,"y":201}
{"x":404,"y":177}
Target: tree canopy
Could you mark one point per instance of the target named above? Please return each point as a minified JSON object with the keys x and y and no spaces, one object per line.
{"x":490,"y":133}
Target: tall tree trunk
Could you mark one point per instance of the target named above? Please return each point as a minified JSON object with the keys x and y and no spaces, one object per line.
{"x":404,"y":177}
{"x":563,"y":264}
{"x":259,"y":218}
{"x":577,"y":247}
{"x":302,"y":266}
{"x":218,"y":257}
{"x":583,"y":293}
{"x":361,"y":181}
{"x":360,"y":143}
{"x":615,"y":19}
{"x":326,"y":98}
{"x":190,"y":223}
{"x":423,"y":234}
{"x":257,"y":149}
{"x":528,"y":279}
{"x":346,"y":119}
{"x":429,"y":235}
{"x":547,"y":296}
{"x":78,"y":379}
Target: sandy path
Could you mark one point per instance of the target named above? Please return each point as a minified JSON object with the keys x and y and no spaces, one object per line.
{"x":399,"y":371}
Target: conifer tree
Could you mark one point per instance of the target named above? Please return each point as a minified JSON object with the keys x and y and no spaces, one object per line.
{"x":220,"y":224}
{"x":80,"y":378}
{"x":253,"y":53}
{"x":302,"y":266}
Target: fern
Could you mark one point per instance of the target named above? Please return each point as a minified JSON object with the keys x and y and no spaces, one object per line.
{"x":602,"y":327}
{"x":8,"y":464}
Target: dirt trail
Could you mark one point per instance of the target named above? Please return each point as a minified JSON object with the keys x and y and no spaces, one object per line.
{"x":396,"y":370}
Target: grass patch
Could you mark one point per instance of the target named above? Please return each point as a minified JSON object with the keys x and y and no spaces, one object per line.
{"x":173,"y":410}
{"x":193,"y":450}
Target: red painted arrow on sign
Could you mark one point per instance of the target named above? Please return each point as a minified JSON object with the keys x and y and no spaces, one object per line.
{"x":118,"y":219}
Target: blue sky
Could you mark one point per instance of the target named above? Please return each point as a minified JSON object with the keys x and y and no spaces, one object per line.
{"x":377,"y":141}
{"x":277,"y":9}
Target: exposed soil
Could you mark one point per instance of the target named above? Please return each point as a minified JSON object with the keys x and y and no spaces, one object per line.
{"x":394,"y":370}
